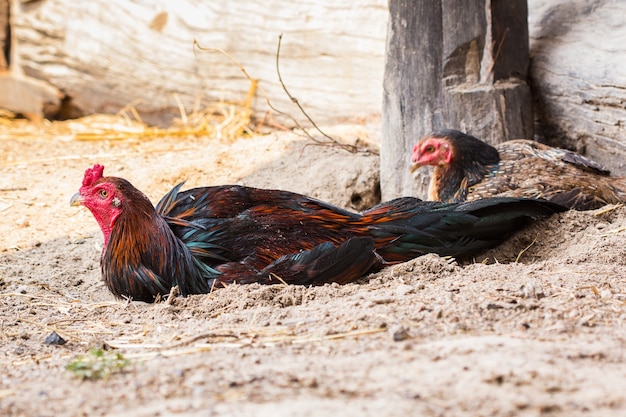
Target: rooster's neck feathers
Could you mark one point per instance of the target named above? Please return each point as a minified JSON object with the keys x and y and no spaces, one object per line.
{"x":129,"y":206}
{"x":472,"y":160}
{"x":143,"y":257}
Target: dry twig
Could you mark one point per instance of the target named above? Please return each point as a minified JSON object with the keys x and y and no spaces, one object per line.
{"x":519,"y":255}
{"x":331,"y":142}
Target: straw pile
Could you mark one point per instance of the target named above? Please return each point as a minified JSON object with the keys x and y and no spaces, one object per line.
{"x":220,"y":120}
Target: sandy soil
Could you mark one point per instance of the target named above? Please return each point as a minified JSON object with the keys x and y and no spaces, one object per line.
{"x":534,"y":327}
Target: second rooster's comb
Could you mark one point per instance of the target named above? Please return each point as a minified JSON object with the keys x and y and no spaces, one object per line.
{"x":92,"y":175}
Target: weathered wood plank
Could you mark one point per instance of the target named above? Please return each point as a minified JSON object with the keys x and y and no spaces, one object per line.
{"x":107,"y":54}
{"x":578,"y":50}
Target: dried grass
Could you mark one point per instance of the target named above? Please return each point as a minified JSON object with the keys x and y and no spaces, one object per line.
{"x":220,"y":120}
{"x":607,"y":209}
{"x":229,"y":338}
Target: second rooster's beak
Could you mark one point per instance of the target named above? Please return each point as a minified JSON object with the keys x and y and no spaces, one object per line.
{"x":76,"y":200}
{"x":414,"y":167}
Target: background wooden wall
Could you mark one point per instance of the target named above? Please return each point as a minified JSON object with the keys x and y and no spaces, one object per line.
{"x":98,"y":56}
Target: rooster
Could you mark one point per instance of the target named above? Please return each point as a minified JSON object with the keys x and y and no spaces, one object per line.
{"x":467,"y":169}
{"x":213,"y":236}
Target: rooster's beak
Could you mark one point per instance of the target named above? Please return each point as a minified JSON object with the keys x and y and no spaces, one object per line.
{"x":76,"y":200}
{"x":414,"y":167}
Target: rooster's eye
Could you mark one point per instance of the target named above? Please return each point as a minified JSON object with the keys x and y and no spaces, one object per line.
{"x":103,"y":194}
{"x":430,"y":149}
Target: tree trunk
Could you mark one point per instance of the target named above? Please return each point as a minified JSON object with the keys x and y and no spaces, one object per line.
{"x":458,"y":64}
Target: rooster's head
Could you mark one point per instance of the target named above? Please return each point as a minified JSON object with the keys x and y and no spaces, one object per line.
{"x":103,"y":196}
{"x":433,"y":149}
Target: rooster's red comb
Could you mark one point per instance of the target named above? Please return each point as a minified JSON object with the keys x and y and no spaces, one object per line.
{"x":92,"y":175}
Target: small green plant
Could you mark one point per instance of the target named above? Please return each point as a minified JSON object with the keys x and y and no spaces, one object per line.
{"x":97,"y":364}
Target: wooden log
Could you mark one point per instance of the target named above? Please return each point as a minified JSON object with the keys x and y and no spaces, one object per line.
{"x":19,"y":93}
{"x":578,"y":50}
{"x":105,"y":55}
{"x":459,"y":64}
{"x":28,"y":96}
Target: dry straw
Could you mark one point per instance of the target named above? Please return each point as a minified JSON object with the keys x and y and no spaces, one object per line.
{"x":229,"y":338}
{"x":220,"y":120}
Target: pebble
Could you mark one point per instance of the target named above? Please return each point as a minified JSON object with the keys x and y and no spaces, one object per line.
{"x":399,"y":333}
{"x":54,"y":339}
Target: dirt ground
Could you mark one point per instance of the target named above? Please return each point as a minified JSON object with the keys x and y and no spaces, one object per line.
{"x":534,"y":327}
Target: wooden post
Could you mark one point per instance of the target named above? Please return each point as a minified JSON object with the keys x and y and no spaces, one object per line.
{"x":458,"y":64}
{"x":5,"y":35}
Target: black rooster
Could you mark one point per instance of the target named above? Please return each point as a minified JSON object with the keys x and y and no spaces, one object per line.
{"x":213,"y":236}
